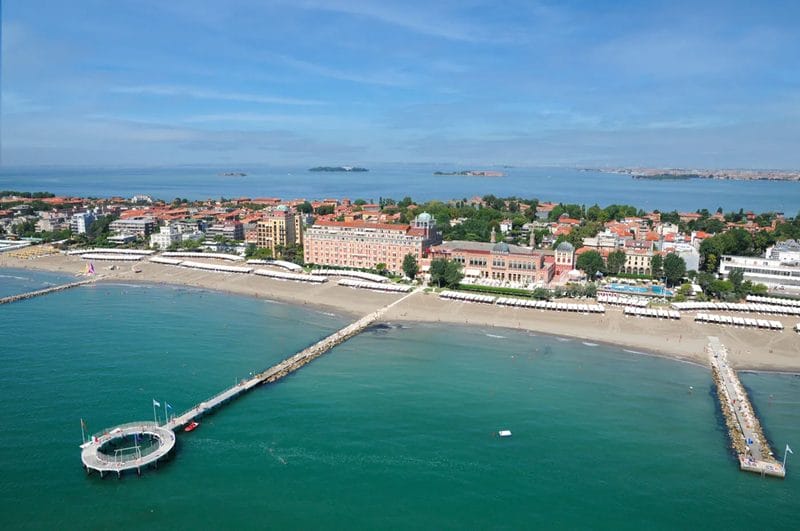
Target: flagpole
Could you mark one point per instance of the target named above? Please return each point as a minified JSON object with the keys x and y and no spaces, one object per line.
{"x":785,"y":453}
{"x":155,"y":419}
{"x":83,"y":436}
{"x":166,"y":419}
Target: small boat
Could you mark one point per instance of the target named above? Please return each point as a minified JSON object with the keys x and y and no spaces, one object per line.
{"x":191,"y":426}
{"x":504,"y":433}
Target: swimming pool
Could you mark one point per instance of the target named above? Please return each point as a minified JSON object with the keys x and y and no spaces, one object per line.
{"x":659,"y":291}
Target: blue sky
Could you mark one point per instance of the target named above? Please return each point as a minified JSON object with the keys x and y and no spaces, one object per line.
{"x":91,"y":82}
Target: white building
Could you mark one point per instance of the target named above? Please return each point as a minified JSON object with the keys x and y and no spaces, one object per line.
{"x":686,"y":251}
{"x":80,"y":223}
{"x":165,"y":237}
{"x":786,"y":251}
{"x":777,"y":275}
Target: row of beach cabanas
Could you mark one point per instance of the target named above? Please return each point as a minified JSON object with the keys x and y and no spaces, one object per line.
{"x":114,"y":257}
{"x":751,"y":307}
{"x":289,"y":266}
{"x":376,"y":286}
{"x":468,"y":297}
{"x":215,"y":267}
{"x":774,"y":300}
{"x":361,"y":275}
{"x":165,"y":261}
{"x":550,"y":305}
{"x":189,"y":254}
{"x":622,"y":300}
{"x":296,"y":277}
{"x":658,"y":313}
{"x":738,"y":321}
{"x":142,"y":252}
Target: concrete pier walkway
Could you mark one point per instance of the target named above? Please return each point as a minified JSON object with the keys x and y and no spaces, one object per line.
{"x":37,"y":293}
{"x":744,"y":427}
{"x":274,"y":373}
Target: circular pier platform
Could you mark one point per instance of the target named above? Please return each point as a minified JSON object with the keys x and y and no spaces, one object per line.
{"x":101,"y":452}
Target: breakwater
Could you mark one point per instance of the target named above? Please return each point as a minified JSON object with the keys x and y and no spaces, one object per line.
{"x":38,"y":293}
{"x":744,"y":429}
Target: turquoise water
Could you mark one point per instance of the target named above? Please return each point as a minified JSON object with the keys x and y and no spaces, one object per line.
{"x":15,"y":281}
{"x":415,"y":180}
{"x":393,"y":429}
{"x":624,"y":288}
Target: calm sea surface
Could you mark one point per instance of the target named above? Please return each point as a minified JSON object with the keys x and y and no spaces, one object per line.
{"x":394,"y":429}
{"x":415,"y":180}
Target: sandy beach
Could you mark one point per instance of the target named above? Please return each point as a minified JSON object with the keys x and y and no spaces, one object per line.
{"x":749,"y":349}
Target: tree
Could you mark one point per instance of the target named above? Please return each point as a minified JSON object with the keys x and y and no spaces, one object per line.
{"x":736,"y":276}
{"x":615,"y":261}
{"x":674,"y":268}
{"x":657,"y":264}
{"x":410,"y":266}
{"x":305,"y":207}
{"x":591,"y":263}
{"x":445,"y":273}
{"x":324,"y":210}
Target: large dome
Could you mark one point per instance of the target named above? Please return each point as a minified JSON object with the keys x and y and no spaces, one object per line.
{"x":501,"y":247}
{"x":424,"y":218}
{"x":565,"y":247}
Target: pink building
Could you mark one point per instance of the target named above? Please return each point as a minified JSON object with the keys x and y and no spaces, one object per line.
{"x":363,"y":245}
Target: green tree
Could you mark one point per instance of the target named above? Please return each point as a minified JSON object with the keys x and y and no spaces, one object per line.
{"x":324,"y":210}
{"x":674,"y":268}
{"x":736,"y":277}
{"x":591,"y":263}
{"x":657,"y":264}
{"x":410,"y":266}
{"x":445,"y":273}
{"x":305,"y":207}
{"x":615,"y":261}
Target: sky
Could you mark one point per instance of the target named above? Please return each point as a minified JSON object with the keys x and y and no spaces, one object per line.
{"x":586,"y":83}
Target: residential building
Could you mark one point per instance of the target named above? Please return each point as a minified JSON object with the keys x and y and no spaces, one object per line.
{"x":282,"y":227}
{"x":141,"y":227}
{"x":361,"y":244}
{"x":80,"y":223}
{"x":497,"y":261}
{"x":231,"y":230}
{"x":167,"y":236}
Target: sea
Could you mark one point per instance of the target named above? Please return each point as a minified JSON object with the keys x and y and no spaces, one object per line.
{"x":394,"y":429}
{"x":568,"y":185}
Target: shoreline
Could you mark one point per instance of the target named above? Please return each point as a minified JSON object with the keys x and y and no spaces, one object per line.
{"x":750,"y":349}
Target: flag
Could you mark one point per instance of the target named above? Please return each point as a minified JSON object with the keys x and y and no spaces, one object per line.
{"x":156,"y":403}
{"x":168,"y":406}
{"x":789,"y":449}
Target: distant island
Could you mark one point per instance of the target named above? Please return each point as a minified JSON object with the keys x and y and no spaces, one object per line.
{"x":233,"y":174}
{"x":659,"y":174}
{"x":472,"y":173}
{"x":669,"y":176}
{"x":338,"y":168}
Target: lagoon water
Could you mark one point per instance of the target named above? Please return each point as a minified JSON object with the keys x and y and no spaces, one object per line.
{"x":416,"y":180}
{"x":395,"y":428}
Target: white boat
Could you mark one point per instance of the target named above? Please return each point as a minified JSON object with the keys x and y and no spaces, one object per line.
{"x":504,"y":433}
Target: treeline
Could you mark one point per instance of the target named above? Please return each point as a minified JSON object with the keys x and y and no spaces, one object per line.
{"x":27,"y":195}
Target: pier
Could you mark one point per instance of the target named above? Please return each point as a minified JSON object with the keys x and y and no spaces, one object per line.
{"x":94,"y":458}
{"x":744,"y":429}
{"x":38,"y":293}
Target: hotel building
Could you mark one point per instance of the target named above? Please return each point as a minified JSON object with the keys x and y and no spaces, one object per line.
{"x":282,"y":227}
{"x":775,"y":274}
{"x":363,"y":245}
{"x":498,"y":261}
